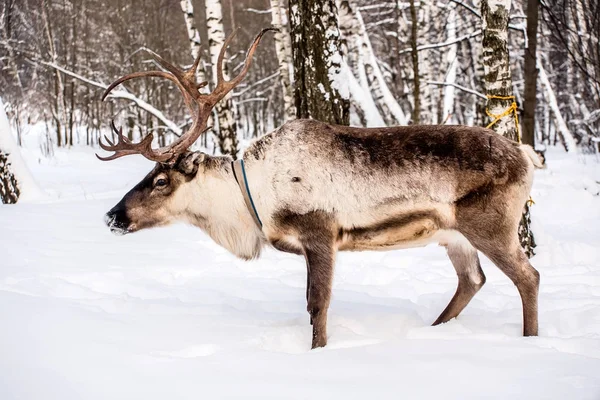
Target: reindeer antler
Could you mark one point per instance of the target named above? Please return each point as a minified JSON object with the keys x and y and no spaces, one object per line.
{"x":199,"y":105}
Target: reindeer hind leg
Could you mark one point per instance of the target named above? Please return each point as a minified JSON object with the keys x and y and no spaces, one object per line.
{"x":465,"y":260}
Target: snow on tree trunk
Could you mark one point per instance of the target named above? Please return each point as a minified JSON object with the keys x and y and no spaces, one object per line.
{"x":15,"y":180}
{"x":193,"y":35}
{"x":362,"y":100}
{"x":227,"y":129}
{"x":359,"y":88}
{"x":320,"y":90}
{"x":496,"y":64}
{"x":371,"y":78}
{"x":284,"y":59}
{"x":448,"y":111}
{"x":561,"y":125}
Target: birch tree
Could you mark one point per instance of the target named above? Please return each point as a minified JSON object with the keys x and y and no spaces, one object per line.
{"x":496,"y":64}
{"x":194,"y":36}
{"x":501,"y":105}
{"x":227,"y":127}
{"x":320,"y":89}
{"x":561,"y":125}
{"x":370,"y":76}
{"x":452,"y":66}
{"x":284,"y":57}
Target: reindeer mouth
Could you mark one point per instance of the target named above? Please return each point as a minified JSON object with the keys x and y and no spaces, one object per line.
{"x":117,"y":227}
{"x":119,"y":231}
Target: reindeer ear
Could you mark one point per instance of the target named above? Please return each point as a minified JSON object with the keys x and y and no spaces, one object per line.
{"x":189,"y":162}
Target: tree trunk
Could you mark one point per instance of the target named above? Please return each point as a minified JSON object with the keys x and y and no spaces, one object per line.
{"x":362,"y":101}
{"x":58,"y":112}
{"x":531,"y":73}
{"x":496,"y":64}
{"x":499,"y":88}
{"x":193,"y":35}
{"x":320,"y":89}
{"x":354,"y":33}
{"x":561,"y":125}
{"x":416,"y":117}
{"x":448,"y":110}
{"x":227,"y":129}
{"x":284,"y":60}
{"x":9,"y":189}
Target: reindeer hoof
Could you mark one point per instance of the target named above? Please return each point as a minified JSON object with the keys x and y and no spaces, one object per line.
{"x":318,"y":343}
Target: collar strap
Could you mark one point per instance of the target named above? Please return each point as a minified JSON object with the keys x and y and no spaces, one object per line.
{"x":239,"y":173}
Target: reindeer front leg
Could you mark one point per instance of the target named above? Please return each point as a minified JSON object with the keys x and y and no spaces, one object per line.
{"x":320,"y":262}
{"x":316,"y":232}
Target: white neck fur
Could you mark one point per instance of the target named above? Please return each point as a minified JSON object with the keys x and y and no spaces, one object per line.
{"x":217,"y":207}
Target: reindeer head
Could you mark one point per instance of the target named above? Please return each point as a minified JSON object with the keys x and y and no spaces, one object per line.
{"x":165,"y":193}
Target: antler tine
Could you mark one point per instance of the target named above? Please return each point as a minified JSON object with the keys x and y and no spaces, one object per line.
{"x":194,"y":68}
{"x":124,"y":147}
{"x":224,"y":87}
{"x":200,"y":105}
{"x":207,"y":101}
{"x":220,"y":78}
{"x":124,"y":78}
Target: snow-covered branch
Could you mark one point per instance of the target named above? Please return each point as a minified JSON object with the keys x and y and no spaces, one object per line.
{"x":121,"y":94}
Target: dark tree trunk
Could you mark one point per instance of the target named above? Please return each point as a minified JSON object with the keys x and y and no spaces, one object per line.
{"x":9,"y":190}
{"x":531,"y":73}
{"x":416,"y":117}
{"x":319,"y":90}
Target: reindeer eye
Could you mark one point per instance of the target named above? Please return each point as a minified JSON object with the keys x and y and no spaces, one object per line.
{"x":160,"y":183}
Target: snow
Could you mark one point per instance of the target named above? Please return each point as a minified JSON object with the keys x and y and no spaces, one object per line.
{"x":29,"y":190}
{"x":167,"y":314}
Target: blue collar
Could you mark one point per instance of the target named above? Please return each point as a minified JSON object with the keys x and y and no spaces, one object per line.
{"x":239,"y":171}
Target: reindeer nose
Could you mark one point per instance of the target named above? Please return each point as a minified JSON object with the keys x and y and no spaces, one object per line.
{"x":117,"y":220}
{"x":109,"y":218}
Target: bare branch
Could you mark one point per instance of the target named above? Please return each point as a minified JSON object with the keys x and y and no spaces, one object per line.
{"x":120,"y":94}
{"x":459,"y":87}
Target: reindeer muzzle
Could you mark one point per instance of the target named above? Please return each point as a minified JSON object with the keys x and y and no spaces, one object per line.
{"x":118,"y":221}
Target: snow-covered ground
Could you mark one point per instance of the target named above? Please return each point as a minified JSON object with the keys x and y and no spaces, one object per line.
{"x":167,"y":314}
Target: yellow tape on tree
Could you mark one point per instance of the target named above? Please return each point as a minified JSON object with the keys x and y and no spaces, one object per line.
{"x":497,"y":117}
{"x":512,"y":109}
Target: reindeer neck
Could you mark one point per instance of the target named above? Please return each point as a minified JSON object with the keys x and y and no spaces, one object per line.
{"x":218,"y":208}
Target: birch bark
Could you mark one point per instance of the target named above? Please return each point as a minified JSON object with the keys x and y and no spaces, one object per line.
{"x":194,"y":36}
{"x":496,"y":64}
{"x":382,"y":95}
{"x":227,"y":127}
{"x":284,"y":59}
{"x":448,"y":111}
{"x":499,"y":88}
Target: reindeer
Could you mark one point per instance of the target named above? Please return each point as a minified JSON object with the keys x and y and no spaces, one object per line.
{"x":314,"y":189}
